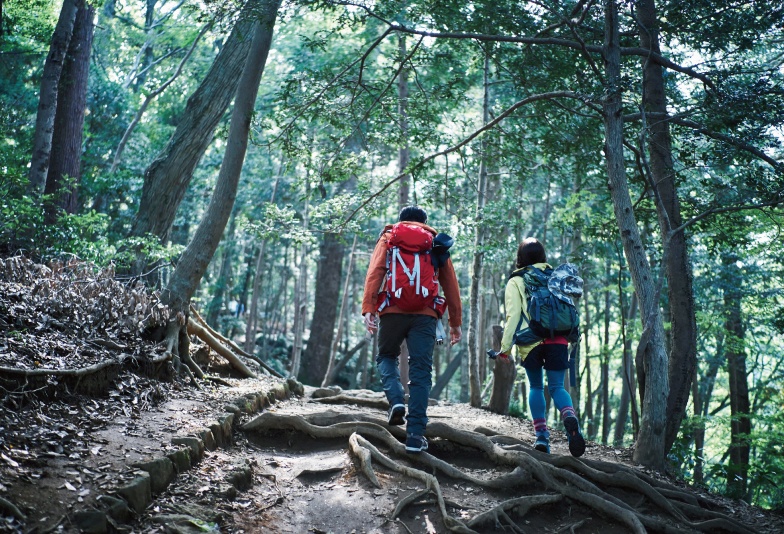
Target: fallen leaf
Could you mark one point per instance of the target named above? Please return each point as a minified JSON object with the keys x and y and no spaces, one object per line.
{"x":9,"y":461}
{"x":69,"y":486}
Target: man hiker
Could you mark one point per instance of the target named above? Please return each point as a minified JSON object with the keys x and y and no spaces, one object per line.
{"x":407,"y":267}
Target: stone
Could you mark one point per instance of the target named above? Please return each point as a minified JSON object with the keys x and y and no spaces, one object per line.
{"x":279,"y":392}
{"x":137,"y":493}
{"x":241,"y":478}
{"x":217,"y":432}
{"x":116,"y":508}
{"x":226,"y":421}
{"x":161,"y":472}
{"x":181,"y":458}
{"x":195,"y":445}
{"x":295,"y":386}
{"x":91,"y":521}
{"x":208,"y":438}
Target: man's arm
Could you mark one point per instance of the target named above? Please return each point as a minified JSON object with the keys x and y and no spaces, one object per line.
{"x":377,"y":270}
{"x":448,"y":280}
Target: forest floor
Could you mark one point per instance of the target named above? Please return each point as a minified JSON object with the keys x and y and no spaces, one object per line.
{"x":322,"y":462}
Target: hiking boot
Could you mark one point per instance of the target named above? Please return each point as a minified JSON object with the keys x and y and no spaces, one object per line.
{"x":416,"y":444}
{"x":542,"y":442}
{"x":396,"y":415}
{"x":574,"y":437}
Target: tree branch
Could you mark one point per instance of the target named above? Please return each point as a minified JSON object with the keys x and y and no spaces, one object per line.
{"x":490,"y":125}
{"x":150,"y":97}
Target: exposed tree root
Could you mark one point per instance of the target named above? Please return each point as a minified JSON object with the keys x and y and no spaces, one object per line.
{"x":519,"y":506}
{"x":10,"y":508}
{"x":358,"y":401}
{"x":233,"y":346}
{"x":582,"y":481}
{"x":202,"y":333}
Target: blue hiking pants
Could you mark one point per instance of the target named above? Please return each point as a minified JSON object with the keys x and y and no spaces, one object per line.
{"x":419,"y":333}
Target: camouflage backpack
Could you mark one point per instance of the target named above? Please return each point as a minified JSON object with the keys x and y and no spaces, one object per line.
{"x":551,"y":310}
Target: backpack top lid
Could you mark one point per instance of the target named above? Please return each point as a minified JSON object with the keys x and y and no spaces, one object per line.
{"x":410,"y":238}
{"x":565,"y":283}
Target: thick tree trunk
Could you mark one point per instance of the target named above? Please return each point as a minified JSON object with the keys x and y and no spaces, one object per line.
{"x":327,"y":292}
{"x":167,"y":178}
{"x":47,"y":97}
{"x":197,"y":256}
{"x":683,"y":338}
{"x":473,"y":338}
{"x":504,"y":372}
{"x":65,"y":163}
{"x":649,"y":450}
{"x":740,"y":422}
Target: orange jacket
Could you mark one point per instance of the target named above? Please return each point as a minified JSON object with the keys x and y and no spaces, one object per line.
{"x":377,"y":271}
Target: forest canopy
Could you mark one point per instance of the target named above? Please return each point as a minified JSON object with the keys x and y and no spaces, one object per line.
{"x":242,"y":157}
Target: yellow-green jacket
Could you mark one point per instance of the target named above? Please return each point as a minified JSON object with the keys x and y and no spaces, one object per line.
{"x":516,"y":303}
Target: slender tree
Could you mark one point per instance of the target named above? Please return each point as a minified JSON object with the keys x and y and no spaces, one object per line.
{"x":473,"y":337}
{"x":740,"y":406}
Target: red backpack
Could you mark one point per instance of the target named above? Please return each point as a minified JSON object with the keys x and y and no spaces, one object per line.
{"x":412,"y":281}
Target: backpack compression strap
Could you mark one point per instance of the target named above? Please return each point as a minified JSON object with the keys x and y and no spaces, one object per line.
{"x":414,"y":275}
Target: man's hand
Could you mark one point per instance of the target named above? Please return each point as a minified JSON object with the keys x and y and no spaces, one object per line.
{"x":371,"y":324}
{"x":455,"y":334}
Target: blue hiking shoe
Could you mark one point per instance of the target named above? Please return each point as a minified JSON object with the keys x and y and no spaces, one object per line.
{"x":542,"y":442}
{"x":396,"y":415}
{"x":574,"y":437}
{"x":416,"y":444}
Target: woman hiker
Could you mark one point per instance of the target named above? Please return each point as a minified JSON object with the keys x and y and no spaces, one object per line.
{"x":549,"y":354}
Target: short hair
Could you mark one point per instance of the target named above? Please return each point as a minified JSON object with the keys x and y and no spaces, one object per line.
{"x":413,"y":214}
{"x":529,"y":252}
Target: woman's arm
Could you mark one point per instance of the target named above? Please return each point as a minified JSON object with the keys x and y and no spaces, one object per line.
{"x":513,"y":302}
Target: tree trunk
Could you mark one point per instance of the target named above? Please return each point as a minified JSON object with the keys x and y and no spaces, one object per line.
{"x":605,"y":391}
{"x":197,"y":256}
{"x":649,"y":449}
{"x":147,"y":53}
{"x":224,"y":280}
{"x":300,"y":299}
{"x":327,"y":292}
{"x":589,"y":415}
{"x":167,"y":178}
{"x":504,"y":372}
{"x":329,"y":375}
{"x":702,"y":399}
{"x":65,"y":164}
{"x":473,"y":340}
{"x":251,"y":321}
{"x":740,"y":422}
{"x":404,"y":152}
{"x":627,"y":370}
{"x":683,"y":338}
{"x":47,"y":98}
